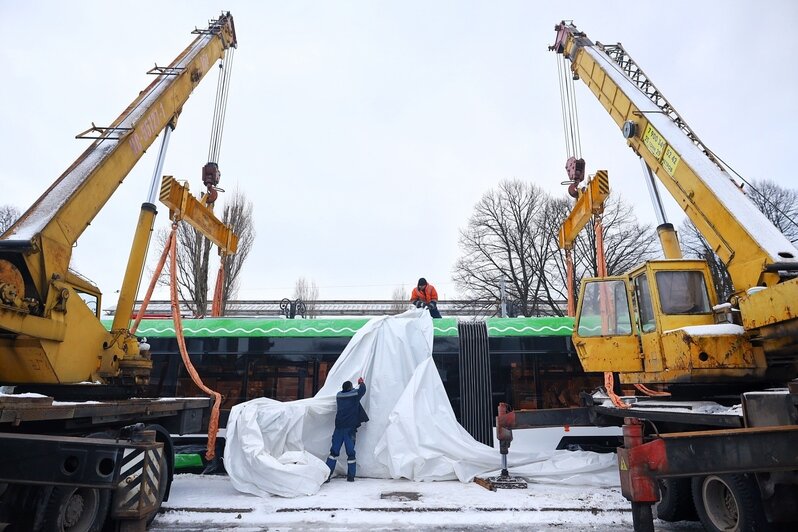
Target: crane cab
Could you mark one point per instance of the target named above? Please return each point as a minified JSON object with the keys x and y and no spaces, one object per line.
{"x":657,"y":325}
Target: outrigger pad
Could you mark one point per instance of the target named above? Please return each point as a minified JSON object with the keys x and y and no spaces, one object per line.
{"x":502,"y":482}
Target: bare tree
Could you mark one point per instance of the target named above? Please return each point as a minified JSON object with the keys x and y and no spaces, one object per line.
{"x":237,"y":215}
{"x":308,"y":292}
{"x":401,"y":300}
{"x":513,"y":234}
{"x":779,"y":204}
{"x":694,"y":244}
{"x":8,"y":215}
{"x":499,"y":242}
{"x":627,"y":242}
{"x":193,"y":257}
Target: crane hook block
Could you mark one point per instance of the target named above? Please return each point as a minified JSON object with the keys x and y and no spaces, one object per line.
{"x":211,"y":175}
{"x":576,"y":173}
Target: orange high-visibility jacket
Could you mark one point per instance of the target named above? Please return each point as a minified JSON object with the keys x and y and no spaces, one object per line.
{"x":429,"y":294}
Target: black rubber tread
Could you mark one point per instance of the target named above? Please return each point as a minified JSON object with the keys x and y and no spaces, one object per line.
{"x":54,"y":510}
{"x":676,"y":500}
{"x":745,"y":493}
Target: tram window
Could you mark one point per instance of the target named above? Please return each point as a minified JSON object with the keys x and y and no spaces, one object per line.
{"x":222,"y":373}
{"x":284,"y":378}
{"x":645,"y":308}
{"x":682,"y":292}
{"x":605,"y":309}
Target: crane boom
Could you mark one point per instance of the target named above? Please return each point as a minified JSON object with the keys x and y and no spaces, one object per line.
{"x":48,"y":334}
{"x":58,"y":218}
{"x":738,"y":232}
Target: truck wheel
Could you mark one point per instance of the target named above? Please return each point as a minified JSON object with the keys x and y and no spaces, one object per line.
{"x":728,"y":503}
{"x":76,"y":509}
{"x":676,"y":500}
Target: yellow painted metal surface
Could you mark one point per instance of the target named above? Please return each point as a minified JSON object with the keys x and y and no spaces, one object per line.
{"x":135,"y":266}
{"x":653,"y":357}
{"x":769,"y":306}
{"x":183,"y":206}
{"x":732,"y":242}
{"x":589,"y":202}
{"x":38,"y":359}
{"x":667,"y":350}
{"x":769,"y":316}
{"x":609,"y":353}
{"x":61,"y":339}
{"x":669,"y":242}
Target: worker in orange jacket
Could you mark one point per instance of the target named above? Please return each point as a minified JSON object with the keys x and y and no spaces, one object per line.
{"x":425,"y":295}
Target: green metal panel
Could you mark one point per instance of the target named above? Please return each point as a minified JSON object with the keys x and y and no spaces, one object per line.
{"x":185,"y":461}
{"x":257,"y":327}
{"x":543,"y":326}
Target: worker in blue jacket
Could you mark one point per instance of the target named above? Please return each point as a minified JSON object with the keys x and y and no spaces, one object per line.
{"x":348,"y":417}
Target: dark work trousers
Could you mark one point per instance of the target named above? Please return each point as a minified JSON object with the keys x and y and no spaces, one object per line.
{"x":433,"y":311}
{"x":347,"y":438}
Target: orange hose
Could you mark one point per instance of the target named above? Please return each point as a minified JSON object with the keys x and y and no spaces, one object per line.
{"x":651,"y":393}
{"x":569,"y":268}
{"x":216,"y":306}
{"x":609,"y":384}
{"x":213,"y":424}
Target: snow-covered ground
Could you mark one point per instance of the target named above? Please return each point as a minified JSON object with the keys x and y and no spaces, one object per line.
{"x":204,"y":503}
{"x":211,"y":503}
{"x":276,"y":483}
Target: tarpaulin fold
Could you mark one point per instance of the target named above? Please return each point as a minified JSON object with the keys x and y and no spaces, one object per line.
{"x":279,"y":448}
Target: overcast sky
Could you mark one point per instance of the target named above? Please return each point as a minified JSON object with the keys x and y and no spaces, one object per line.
{"x":364,"y":132}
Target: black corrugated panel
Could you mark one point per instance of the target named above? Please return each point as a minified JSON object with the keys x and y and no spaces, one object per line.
{"x":475,"y":388}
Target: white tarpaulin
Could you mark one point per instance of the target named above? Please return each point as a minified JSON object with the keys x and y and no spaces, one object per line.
{"x":279,"y":448}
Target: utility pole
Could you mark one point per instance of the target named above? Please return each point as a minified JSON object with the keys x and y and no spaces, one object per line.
{"x":503,"y":297}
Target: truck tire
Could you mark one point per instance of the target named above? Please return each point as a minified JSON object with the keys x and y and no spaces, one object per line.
{"x":76,"y":509}
{"x":676,"y":500}
{"x":729,"y":503}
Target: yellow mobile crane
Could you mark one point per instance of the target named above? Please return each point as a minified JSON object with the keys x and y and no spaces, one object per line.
{"x":77,"y":465}
{"x":48,"y":334}
{"x":724,"y":446}
{"x":662,"y":322}
{"x":660,"y":308}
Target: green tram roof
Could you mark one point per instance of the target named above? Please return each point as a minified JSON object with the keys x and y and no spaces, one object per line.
{"x":327,"y":328}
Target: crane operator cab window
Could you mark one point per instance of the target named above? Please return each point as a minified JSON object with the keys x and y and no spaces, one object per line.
{"x":91,"y":301}
{"x":604,"y":309}
{"x":682,"y":292}
{"x":645,"y":308}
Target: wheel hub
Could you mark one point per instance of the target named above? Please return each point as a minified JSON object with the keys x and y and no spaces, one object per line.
{"x":74,"y":510}
{"x":720,"y":504}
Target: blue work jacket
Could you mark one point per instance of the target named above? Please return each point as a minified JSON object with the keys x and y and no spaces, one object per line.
{"x":350,"y":414}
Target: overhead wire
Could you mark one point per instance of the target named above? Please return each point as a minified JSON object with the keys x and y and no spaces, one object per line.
{"x":763,"y":197}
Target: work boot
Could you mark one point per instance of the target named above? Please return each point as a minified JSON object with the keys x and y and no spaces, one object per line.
{"x":331,"y":461}
{"x":351,"y":466}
